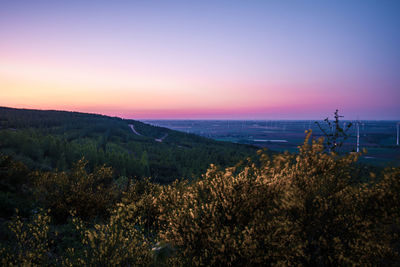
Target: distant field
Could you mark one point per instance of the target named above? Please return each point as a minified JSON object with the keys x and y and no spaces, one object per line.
{"x":378,"y":137}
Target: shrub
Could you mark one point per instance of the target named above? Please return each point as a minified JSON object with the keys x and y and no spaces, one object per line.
{"x":310,"y":208}
{"x":142,"y":193}
{"x":293,"y":209}
{"x":119,"y":242}
{"x":14,"y":178}
{"x":30,"y":242}
{"x":89,"y":194}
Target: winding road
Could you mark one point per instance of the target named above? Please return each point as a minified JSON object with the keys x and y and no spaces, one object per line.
{"x":162,"y":138}
{"x":133,"y":130}
{"x":157,"y":139}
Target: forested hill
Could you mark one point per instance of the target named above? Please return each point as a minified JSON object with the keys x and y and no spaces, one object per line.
{"x":49,"y":140}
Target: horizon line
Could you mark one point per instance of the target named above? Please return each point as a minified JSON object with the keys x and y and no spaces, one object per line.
{"x":196,"y":119}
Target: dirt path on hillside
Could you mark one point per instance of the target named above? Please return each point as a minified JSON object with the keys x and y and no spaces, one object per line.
{"x":133,"y":130}
{"x":157,"y":139}
{"x":161,"y":139}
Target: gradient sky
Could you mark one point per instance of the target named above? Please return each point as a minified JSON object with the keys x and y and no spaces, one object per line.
{"x":282,"y":59}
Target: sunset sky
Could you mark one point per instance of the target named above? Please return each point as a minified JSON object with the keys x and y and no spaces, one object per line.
{"x":214,"y":59}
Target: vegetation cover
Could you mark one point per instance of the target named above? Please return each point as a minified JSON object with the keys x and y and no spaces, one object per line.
{"x":316,"y":208}
{"x":56,"y":140}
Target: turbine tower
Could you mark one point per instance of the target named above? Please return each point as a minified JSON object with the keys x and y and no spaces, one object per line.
{"x":398,"y":133}
{"x":358,"y":136}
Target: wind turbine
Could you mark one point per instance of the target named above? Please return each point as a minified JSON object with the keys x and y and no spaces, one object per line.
{"x":358,"y":136}
{"x":398,"y":133}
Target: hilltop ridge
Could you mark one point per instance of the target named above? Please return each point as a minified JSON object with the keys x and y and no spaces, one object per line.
{"x":50,"y":139}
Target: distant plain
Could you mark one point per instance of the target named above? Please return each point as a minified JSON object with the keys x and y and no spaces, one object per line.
{"x":379,"y":138}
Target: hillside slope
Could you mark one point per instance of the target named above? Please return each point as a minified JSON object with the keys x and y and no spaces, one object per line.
{"x":48,"y":140}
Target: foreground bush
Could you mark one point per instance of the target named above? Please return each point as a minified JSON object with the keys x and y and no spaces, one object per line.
{"x":118,"y":242}
{"x":88,"y":194}
{"x":310,"y":209}
{"x":305,"y":209}
{"x":14,"y":187}
{"x":142,"y":194}
{"x":29,"y":242}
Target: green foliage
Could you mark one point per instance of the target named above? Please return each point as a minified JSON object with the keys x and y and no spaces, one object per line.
{"x":49,"y":140}
{"x":119,"y":242}
{"x":292,"y":210}
{"x":31,"y":242}
{"x":89,"y":194}
{"x":142,"y":194}
{"x":312,"y":208}
{"x":12,"y":174}
{"x":14,"y":181}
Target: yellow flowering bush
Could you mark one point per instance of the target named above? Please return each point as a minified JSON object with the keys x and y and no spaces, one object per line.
{"x":305,"y":209}
{"x":30,"y":246}
{"x":89,"y":194}
{"x":118,"y":242}
{"x":142,"y":194}
{"x":311,"y":208}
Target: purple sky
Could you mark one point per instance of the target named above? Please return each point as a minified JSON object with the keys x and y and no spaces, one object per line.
{"x":203,"y":59}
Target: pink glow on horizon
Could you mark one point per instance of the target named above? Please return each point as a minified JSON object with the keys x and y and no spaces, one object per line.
{"x":117,"y":94}
{"x":202,"y":60}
